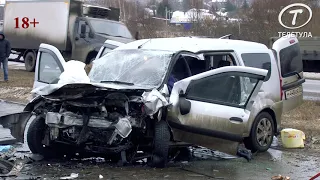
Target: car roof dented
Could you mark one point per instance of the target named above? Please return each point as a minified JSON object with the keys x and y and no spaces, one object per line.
{"x":192,"y":44}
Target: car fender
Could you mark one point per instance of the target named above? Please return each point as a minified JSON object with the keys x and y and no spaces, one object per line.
{"x":262,"y":103}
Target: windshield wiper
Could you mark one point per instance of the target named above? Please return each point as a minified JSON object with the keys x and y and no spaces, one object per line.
{"x":104,"y":34}
{"x":121,"y":36}
{"x":118,"y":82}
{"x":112,"y":35}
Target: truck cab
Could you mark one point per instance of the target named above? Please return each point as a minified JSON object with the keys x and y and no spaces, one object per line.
{"x":91,"y":33}
{"x":76,"y":29}
{"x":96,"y":25}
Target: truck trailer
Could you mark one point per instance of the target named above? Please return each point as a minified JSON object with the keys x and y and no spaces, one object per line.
{"x":78,"y":30}
{"x":310,"y":52}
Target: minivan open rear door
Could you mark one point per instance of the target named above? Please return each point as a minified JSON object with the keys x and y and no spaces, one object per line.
{"x":290,"y":65}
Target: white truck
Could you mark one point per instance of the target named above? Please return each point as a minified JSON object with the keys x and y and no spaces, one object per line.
{"x":76,"y":29}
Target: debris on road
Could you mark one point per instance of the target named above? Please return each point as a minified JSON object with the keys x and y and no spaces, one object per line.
{"x":36,"y":157}
{"x":279,"y":177}
{"x":275,"y":142}
{"x":5,"y":166}
{"x":205,"y":153}
{"x":196,"y":173}
{"x":5,"y":148}
{"x":316,"y":176}
{"x":100,"y":176}
{"x":72,"y":176}
{"x":13,"y":170}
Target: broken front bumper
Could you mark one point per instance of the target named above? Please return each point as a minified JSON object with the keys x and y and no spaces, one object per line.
{"x":68,"y":119}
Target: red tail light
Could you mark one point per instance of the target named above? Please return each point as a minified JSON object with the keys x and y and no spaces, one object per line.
{"x":281,"y":93}
{"x":292,"y":41}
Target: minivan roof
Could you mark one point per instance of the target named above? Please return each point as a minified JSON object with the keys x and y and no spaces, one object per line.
{"x":193,"y":44}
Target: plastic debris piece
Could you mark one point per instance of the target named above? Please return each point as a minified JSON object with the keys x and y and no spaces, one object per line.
{"x":36,"y":157}
{"x":316,"y":176}
{"x":279,"y":177}
{"x":275,"y":142}
{"x":269,"y":169}
{"x":5,"y":148}
{"x":72,"y":176}
{"x":100,"y":176}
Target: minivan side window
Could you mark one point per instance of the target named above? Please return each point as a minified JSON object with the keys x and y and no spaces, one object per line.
{"x":224,"y":89}
{"x":257,"y":60}
{"x":291,"y":60}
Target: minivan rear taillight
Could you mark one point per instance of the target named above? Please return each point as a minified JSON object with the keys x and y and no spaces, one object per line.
{"x":281,"y":93}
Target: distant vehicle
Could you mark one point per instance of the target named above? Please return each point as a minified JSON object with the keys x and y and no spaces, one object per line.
{"x":310,"y":52}
{"x":76,"y":29}
{"x":225,"y":92}
{"x":1,"y":26}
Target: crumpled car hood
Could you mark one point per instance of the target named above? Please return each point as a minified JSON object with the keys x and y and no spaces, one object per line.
{"x":52,"y":88}
{"x":152,"y":99}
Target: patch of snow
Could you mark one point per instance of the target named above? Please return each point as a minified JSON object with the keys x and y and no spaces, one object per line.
{"x":309,"y":75}
{"x":219,"y":1}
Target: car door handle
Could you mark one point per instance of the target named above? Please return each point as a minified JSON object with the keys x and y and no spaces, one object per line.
{"x":236,"y":119}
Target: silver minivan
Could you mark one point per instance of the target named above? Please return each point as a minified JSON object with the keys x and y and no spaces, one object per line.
{"x":163,"y":92}
{"x":212,"y":119}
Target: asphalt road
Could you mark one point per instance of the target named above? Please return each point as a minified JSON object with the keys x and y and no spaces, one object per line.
{"x":298,"y":164}
{"x":311,"y":90}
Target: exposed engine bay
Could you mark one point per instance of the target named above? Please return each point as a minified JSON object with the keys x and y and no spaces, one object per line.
{"x":99,"y":124}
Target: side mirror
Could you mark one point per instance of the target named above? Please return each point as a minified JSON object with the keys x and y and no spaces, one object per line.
{"x":137,"y":35}
{"x":83,"y":31}
{"x":91,"y":34}
{"x":184,"y":105}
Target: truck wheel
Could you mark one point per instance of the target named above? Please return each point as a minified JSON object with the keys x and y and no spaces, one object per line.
{"x":161,"y":144}
{"x":262,"y":133}
{"x":35,"y":135}
{"x":30,"y":61}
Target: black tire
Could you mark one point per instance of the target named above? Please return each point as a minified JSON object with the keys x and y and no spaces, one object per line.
{"x":252,"y":142}
{"x":30,"y":61}
{"x":35,"y":136}
{"x":161,"y":144}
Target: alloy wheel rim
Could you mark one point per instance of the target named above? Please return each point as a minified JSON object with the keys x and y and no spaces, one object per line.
{"x":264,"y":132}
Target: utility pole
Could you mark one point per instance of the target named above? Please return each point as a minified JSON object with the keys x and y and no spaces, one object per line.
{"x":166,"y":15}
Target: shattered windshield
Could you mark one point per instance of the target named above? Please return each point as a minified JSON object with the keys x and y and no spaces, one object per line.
{"x":146,"y":68}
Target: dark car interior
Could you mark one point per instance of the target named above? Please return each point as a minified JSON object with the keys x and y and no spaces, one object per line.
{"x":227,"y":87}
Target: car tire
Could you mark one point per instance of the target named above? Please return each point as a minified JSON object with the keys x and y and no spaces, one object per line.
{"x":161,"y":144}
{"x":35,"y":136}
{"x":261,"y":135}
{"x":30,"y":61}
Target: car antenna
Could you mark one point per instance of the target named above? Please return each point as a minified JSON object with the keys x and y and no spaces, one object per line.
{"x":140,"y":46}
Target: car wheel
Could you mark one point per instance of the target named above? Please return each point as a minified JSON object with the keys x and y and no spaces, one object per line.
{"x":35,"y":135}
{"x":262,"y":133}
{"x":30,"y":61}
{"x":161,"y":144}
